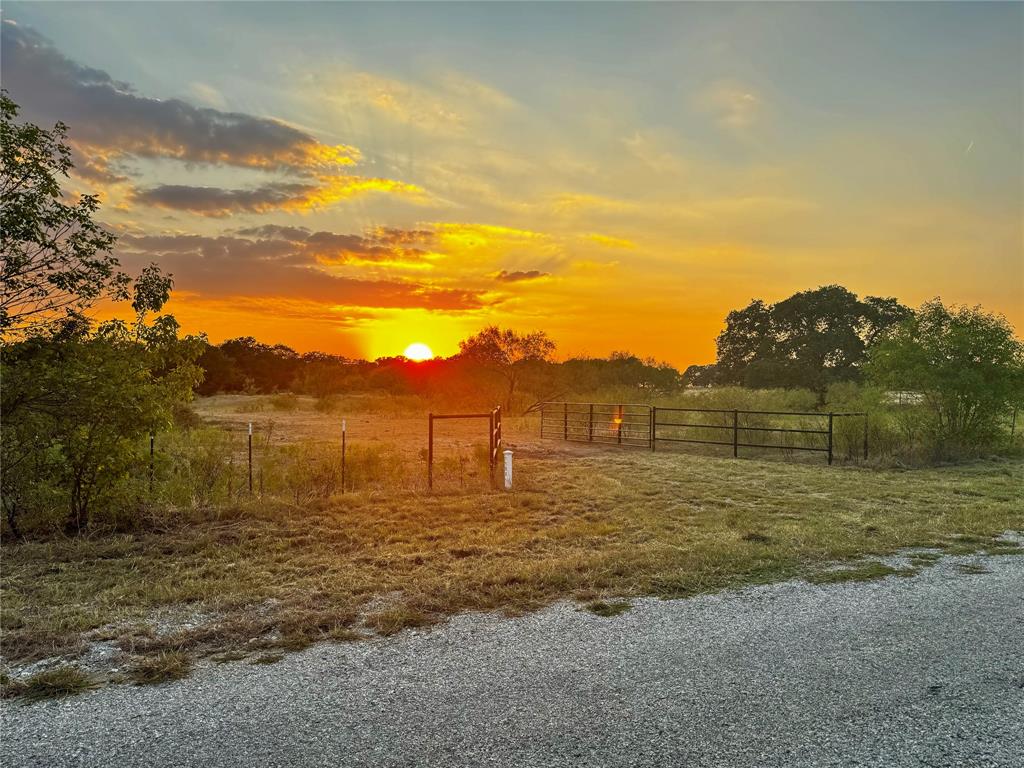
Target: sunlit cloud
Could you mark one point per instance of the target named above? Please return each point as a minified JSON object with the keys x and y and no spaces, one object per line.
{"x":109,"y":114}
{"x":206,"y":94}
{"x":610,"y":242}
{"x":445,"y":104}
{"x":574,"y":202}
{"x":279,"y":196}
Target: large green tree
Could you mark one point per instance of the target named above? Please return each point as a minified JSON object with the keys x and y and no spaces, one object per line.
{"x":966,"y":364}
{"x":55,"y":259}
{"x":812,"y":339}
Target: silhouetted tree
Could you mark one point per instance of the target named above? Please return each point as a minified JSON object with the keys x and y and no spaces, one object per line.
{"x":507,"y":353}
{"x":56,"y":260}
{"x":700,"y":375}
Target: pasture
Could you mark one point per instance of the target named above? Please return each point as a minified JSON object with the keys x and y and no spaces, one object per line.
{"x":213,"y":572}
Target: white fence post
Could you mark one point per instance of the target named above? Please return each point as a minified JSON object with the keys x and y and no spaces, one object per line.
{"x":508,"y":470}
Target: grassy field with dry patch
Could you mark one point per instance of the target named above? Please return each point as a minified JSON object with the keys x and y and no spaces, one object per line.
{"x":248,"y":580}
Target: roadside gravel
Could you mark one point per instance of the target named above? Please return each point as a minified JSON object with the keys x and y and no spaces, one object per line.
{"x":923,"y":671}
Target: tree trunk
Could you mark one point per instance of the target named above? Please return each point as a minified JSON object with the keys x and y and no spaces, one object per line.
{"x":511,"y":391}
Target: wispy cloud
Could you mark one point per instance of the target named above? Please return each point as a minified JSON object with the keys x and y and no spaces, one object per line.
{"x":217,"y":202}
{"x":520,"y":275}
{"x":734,"y":105}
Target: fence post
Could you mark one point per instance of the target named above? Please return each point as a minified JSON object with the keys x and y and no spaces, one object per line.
{"x":654,"y":426}
{"x":590,"y":425}
{"x":250,"y":458}
{"x":830,"y":415}
{"x":430,"y":451}
{"x":735,"y":434}
{"x":490,"y":445}
{"x":865,"y":436}
{"x":618,"y":429}
{"x":565,"y":421}
{"x":152,"y":441}
{"x":343,"y":430}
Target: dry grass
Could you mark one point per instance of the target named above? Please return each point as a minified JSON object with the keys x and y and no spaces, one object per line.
{"x":50,"y":684}
{"x":585,"y":524}
{"x":161,"y":668}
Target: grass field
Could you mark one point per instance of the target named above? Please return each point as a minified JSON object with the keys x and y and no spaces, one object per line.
{"x":249,"y":579}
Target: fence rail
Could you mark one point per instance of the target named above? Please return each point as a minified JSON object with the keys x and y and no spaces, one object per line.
{"x":638,"y":426}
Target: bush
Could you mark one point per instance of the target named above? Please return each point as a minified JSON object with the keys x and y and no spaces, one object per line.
{"x":967,"y":366}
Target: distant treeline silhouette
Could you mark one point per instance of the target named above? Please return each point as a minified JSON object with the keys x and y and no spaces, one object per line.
{"x":811,"y":340}
{"x":496,"y":364}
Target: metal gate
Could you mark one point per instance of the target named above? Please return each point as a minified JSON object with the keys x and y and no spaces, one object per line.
{"x":618,"y":424}
{"x":645,"y":426}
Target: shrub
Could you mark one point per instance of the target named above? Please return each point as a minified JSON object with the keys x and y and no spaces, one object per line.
{"x":966,"y":364}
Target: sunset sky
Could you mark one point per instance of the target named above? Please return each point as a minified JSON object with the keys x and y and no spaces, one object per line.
{"x":353,"y":178}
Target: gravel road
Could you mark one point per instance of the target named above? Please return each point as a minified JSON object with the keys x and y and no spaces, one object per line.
{"x":924,"y":671}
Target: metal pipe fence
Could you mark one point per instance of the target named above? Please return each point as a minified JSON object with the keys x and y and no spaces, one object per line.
{"x":648,"y":425}
{"x":493,"y":438}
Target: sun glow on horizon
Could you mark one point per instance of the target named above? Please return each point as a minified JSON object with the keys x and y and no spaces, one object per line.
{"x":418,"y":352}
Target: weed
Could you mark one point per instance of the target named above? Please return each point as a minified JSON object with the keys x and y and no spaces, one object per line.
{"x":50,"y":684}
{"x":229,"y":656}
{"x":161,"y":668}
{"x":1004,"y":549}
{"x":866,"y":572}
{"x":972,"y":568}
{"x":602,"y":608}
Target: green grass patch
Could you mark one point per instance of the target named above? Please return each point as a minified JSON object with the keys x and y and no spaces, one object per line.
{"x":1004,"y":549}
{"x":608,"y":609}
{"x":972,"y":568}
{"x":866,"y":572}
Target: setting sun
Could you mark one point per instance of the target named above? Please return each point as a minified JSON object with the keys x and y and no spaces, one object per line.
{"x":418,"y":352}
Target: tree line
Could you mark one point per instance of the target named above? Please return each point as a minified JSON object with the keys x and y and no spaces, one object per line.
{"x":512,"y":366}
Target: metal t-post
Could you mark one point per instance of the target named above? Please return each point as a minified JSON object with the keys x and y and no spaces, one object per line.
{"x":250,"y":458}
{"x":735,"y":434}
{"x":830,"y":416}
{"x":430,"y":451}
